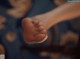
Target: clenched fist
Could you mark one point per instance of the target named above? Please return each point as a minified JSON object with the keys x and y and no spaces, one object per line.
{"x":33,"y":31}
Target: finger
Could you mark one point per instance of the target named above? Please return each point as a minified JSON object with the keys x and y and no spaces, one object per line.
{"x":27,"y":24}
{"x":42,"y":30}
{"x":39,"y":37}
{"x":35,"y":22}
{"x":28,"y":37}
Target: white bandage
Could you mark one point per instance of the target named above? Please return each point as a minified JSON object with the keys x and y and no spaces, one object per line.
{"x":2,"y":56}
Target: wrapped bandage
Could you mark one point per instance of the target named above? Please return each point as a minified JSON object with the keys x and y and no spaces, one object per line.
{"x":2,"y":56}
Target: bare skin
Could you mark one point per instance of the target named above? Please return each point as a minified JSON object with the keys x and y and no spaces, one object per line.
{"x":37,"y":30}
{"x":20,"y":7}
{"x":64,"y":12}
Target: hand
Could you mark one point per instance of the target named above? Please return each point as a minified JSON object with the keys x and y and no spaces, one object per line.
{"x":33,"y":30}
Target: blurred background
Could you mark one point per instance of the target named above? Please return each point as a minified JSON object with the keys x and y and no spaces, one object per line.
{"x":63,"y":41}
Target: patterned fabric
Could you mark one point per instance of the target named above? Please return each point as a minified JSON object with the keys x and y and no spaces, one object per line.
{"x":11,"y":35}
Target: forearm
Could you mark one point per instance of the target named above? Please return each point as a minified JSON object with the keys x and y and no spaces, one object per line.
{"x":63,"y":13}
